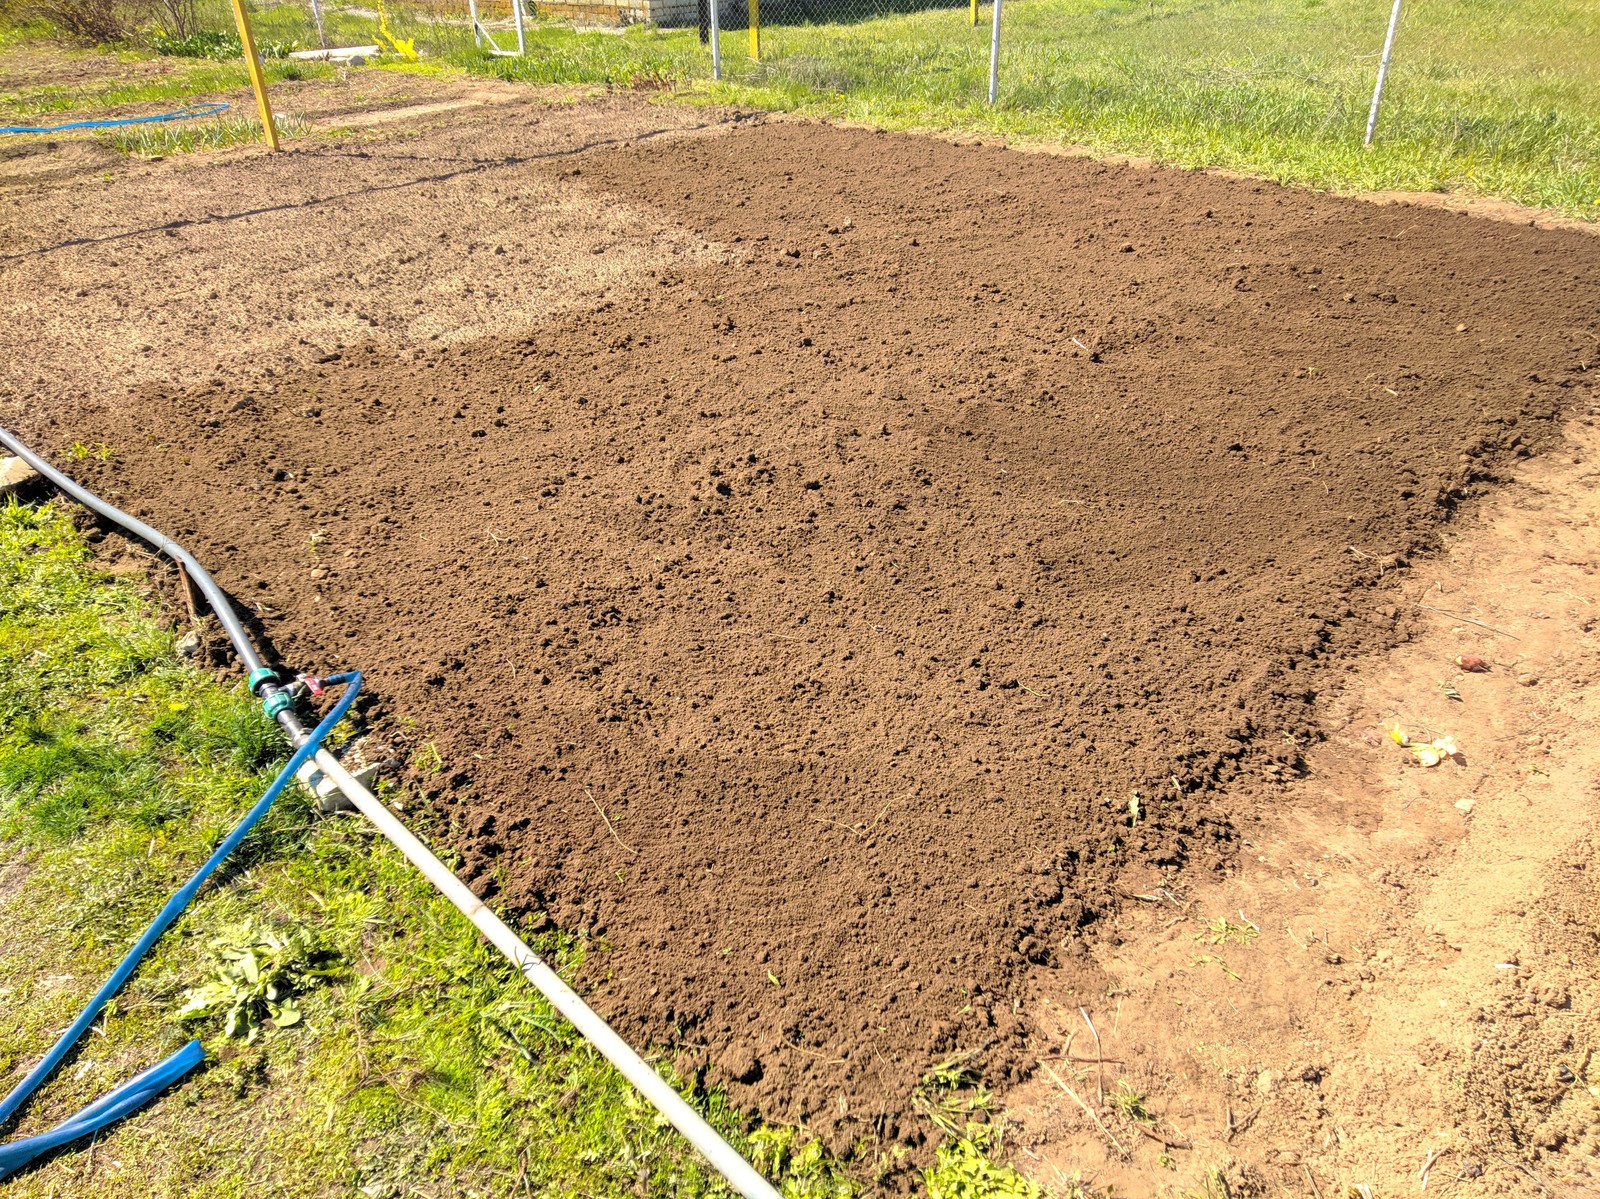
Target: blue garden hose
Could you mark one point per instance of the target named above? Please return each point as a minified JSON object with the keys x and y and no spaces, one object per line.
{"x":142,"y":1088}
{"x":187,"y":112}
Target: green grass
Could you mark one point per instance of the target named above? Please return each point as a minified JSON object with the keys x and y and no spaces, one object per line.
{"x":215,"y":133}
{"x":188,"y":80}
{"x":420,"y":1063}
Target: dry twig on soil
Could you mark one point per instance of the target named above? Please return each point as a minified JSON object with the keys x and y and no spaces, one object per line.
{"x":610,"y":828}
{"x":1087,"y":1110}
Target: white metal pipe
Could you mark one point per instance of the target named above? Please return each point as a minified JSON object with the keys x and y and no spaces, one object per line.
{"x":1383,"y":72}
{"x":994,"y":55}
{"x":716,"y":43}
{"x":522,"y":41}
{"x":477,"y":29}
{"x":727,"y":1161}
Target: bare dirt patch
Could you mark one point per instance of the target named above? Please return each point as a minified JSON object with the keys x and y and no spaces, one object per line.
{"x":1418,"y":994}
{"x":834,"y":568}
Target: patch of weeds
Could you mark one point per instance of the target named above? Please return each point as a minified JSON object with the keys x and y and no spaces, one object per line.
{"x":1222,"y":931}
{"x":1209,"y":959}
{"x":18,"y":31}
{"x":190,"y":81}
{"x":217,"y":45}
{"x":178,"y":137}
{"x":98,"y":450}
{"x":951,"y":1095}
{"x":964,"y":1168}
{"x":428,"y":760}
{"x":1129,"y":1104}
{"x":259,"y":973}
{"x":801,"y":1161}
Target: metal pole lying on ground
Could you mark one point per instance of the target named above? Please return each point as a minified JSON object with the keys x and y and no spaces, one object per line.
{"x":994,"y":53}
{"x":252,"y":63}
{"x":1383,"y":73}
{"x":755,"y":30}
{"x":716,"y":43}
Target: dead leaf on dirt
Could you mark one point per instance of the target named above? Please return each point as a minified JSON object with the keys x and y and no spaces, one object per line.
{"x":1429,"y":753}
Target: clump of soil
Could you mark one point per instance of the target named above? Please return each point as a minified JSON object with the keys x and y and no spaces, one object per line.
{"x":825,"y":625}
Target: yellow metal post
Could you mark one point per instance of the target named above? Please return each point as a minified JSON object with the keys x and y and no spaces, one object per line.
{"x":252,"y":63}
{"x":755,"y":30}
{"x":974,"y":12}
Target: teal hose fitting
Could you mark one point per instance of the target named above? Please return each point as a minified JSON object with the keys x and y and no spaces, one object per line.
{"x":261,"y":675}
{"x":277,"y":703}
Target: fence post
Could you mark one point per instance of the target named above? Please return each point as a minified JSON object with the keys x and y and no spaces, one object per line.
{"x":716,"y":43}
{"x":755,"y":30}
{"x":1383,"y":73}
{"x":994,"y":55}
{"x":522,"y":43}
{"x":258,"y":83}
{"x":316,"y":14}
{"x":974,"y":14}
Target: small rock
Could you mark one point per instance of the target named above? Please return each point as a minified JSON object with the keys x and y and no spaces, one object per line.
{"x":1471,"y":1167}
{"x":15,"y":474}
{"x":1127,"y":247}
{"x":1267,"y":1081}
{"x":1527,"y":680}
{"x":189,"y":645}
{"x":1461,"y":328}
{"x":1465,"y":806}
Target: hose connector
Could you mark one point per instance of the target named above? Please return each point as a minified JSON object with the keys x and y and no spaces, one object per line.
{"x":277,"y":703}
{"x":260,"y":676}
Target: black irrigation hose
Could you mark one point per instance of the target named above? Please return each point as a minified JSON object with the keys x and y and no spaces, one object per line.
{"x":201,"y":576}
{"x":264,"y":681}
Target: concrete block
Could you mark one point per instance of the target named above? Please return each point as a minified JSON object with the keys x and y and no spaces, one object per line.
{"x":328,"y":798}
{"x":16,"y":476}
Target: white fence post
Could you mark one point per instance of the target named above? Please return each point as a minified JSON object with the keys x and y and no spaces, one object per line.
{"x":716,"y":43}
{"x":994,"y":55}
{"x":1383,"y":73}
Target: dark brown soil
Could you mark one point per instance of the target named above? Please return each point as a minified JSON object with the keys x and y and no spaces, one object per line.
{"x":823,"y":625}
